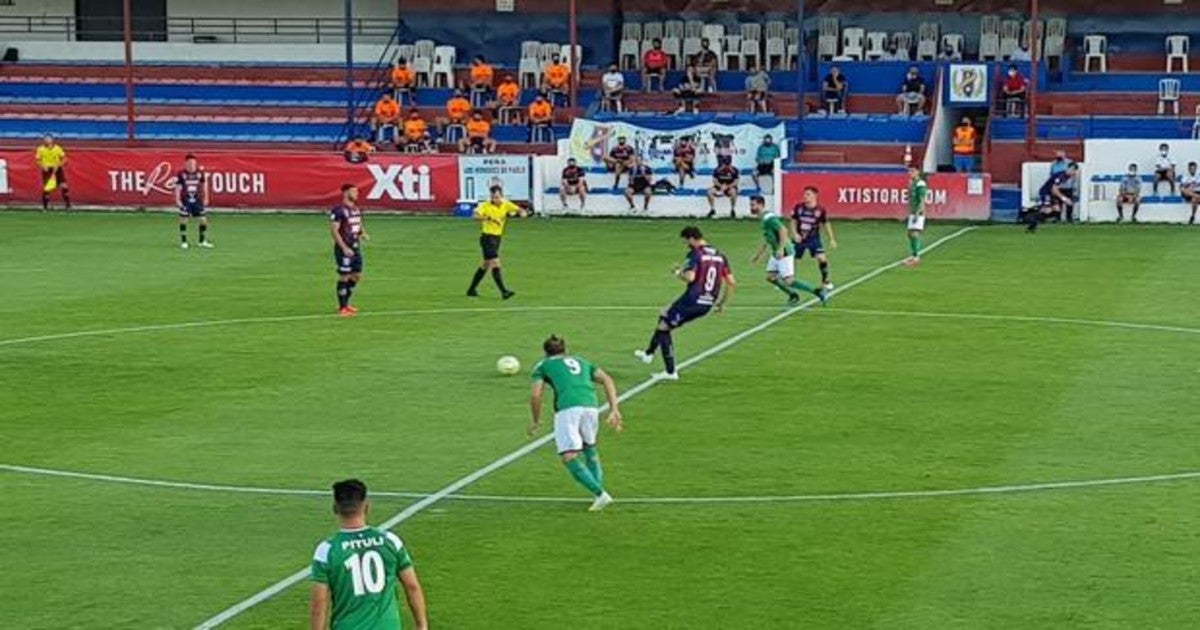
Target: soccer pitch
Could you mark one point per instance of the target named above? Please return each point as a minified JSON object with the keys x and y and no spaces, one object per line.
{"x":1003,"y":437}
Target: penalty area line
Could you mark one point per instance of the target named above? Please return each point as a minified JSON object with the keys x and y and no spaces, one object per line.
{"x":453,"y":488}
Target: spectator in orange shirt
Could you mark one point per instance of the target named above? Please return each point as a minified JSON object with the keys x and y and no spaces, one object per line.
{"x":404,"y":82}
{"x":479,"y":135}
{"x":386,"y":116}
{"x":508,"y":98}
{"x":358,"y":151}
{"x":556,"y":80}
{"x":458,"y":110}
{"x":416,"y":133}
{"x":541,"y":116}
{"x":482,"y":76}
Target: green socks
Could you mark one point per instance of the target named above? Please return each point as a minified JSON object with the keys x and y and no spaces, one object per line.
{"x":782,"y":287}
{"x":803,"y":286}
{"x":914,"y":244}
{"x":584,"y":476}
{"x":592,"y":459}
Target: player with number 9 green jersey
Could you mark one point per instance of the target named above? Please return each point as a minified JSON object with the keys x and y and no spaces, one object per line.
{"x":572,"y":379}
{"x":361,"y":567}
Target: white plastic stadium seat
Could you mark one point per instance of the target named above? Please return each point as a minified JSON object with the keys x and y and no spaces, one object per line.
{"x":1010,"y":38}
{"x":776,"y":56}
{"x":424,"y":48}
{"x":714,"y":33}
{"x":673,"y":28}
{"x":732,"y":47}
{"x":632,"y":30}
{"x":652,"y":31}
{"x":444,"y":58}
{"x":547,"y":52}
{"x":1178,"y":47}
{"x":853,"y":39}
{"x":904,"y":43}
{"x":827,"y":38}
{"x":1168,"y":95}
{"x":1056,"y":40}
{"x":989,"y":38}
{"x":422,"y":68}
{"x":953,"y":41}
{"x":406,"y":51}
{"x":927,"y":41}
{"x":693,"y":28}
{"x":530,"y":49}
{"x":752,"y":31}
{"x":529,"y":68}
{"x":691,"y":48}
{"x":750,"y":52}
{"x":630,"y":54}
{"x":673,"y":48}
{"x":1095,"y":47}
{"x":1028,"y":37}
{"x":876,"y":45}
{"x":775,"y":28}
{"x":565,"y":55}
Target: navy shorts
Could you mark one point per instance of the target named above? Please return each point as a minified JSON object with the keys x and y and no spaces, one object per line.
{"x":490,"y":246}
{"x":347,"y":264}
{"x":683,"y":311}
{"x":812,"y":245}
{"x":192,"y":210}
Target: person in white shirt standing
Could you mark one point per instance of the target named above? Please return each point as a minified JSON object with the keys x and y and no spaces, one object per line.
{"x":612,"y":84}
{"x":1164,"y":168}
{"x":1189,"y":187}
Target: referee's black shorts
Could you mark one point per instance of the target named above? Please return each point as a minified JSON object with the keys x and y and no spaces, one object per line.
{"x":57,"y":173}
{"x":490,"y":244}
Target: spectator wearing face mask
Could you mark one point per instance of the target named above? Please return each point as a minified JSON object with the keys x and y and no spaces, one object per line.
{"x":1130,"y":192}
{"x":1014,"y":91}
{"x":912,"y":92}
{"x":1164,"y":168}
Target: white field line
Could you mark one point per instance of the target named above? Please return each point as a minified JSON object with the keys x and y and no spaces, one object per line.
{"x":453,"y":488}
{"x":505,"y":498}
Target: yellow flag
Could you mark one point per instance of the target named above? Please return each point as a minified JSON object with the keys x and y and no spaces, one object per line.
{"x":51,"y":184}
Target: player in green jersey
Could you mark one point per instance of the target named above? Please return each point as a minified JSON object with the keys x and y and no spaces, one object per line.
{"x":781,"y":268}
{"x":576,"y":413}
{"x":917,"y":189}
{"x":354,"y":572}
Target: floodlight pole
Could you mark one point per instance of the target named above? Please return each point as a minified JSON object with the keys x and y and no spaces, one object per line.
{"x":573,"y":27}
{"x":349,"y":18}
{"x":801,"y":74}
{"x":1035,"y":45}
{"x":127,"y":18}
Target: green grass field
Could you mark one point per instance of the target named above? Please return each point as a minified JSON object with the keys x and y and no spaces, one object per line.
{"x":990,"y":365}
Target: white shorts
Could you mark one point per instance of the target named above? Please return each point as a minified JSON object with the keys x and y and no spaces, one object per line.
{"x":783,"y":267}
{"x":916,"y":222}
{"x":575,"y":427}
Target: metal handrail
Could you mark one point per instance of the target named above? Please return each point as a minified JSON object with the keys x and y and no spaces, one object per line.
{"x":366,"y":94}
{"x":290,"y":29}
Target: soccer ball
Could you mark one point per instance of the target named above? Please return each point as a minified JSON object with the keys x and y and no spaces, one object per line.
{"x":508,"y":365}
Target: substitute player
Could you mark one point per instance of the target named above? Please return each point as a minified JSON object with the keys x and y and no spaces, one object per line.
{"x":191,"y":190}
{"x":355,"y":571}
{"x":781,"y":267}
{"x":725,"y":184}
{"x":917,"y":189}
{"x":640,"y":175}
{"x":346,"y":225}
{"x":710,"y":285}
{"x":576,"y":413}
{"x":52,"y":160}
{"x":809,"y":218}
{"x":493,"y":215}
{"x":573,"y":184}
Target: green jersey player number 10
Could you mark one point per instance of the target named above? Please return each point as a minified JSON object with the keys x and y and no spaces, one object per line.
{"x":366,"y":573}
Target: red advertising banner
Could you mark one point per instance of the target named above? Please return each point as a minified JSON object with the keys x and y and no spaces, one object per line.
{"x":255,"y":180}
{"x":885,"y":195}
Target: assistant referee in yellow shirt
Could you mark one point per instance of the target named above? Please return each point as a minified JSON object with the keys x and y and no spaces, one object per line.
{"x":492,"y":215}
{"x":50,"y":159}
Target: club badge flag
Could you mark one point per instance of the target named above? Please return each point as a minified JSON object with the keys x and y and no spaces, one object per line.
{"x":968,"y":83}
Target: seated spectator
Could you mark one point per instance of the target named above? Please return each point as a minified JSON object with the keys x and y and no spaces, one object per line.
{"x":1164,"y":168}
{"x":573,"y":184}
{"x":949,"y":53}
{"x":640,"y":183}
{"x":404,"y":82}
{"x":416,"y":134}
{"x":508,"y":100}
{"x":765,"y":158}
{"x":358,"y":150}
{"x":385,"y":116}
{"x":556,"y":81}
{"x":965,"y":137}
{"x":685,"y":159}
{"x":612,"y":87}
{"x":458,"y":110}
{"x":912,"y":92}
{"x":482,"y":75}
{"x":1021,"y":53}
{"x":479,"y":136}
{"x":1056,"y":197}
{"x":688,"y":90}
{"x":1060,"y":162}
{"x":725,"y":184}
{"x":1189,"y":187}
{"x":706,"y":66}
{"x":620,"y":159}
{"x":541,"y":119}
{"x":833,"y":90}
{"x":891,"y":52}
{"x":1130,"y":192}
{"x":1014,"y":90}
{"x":654,"y":66}
{"x":758,"y":85}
